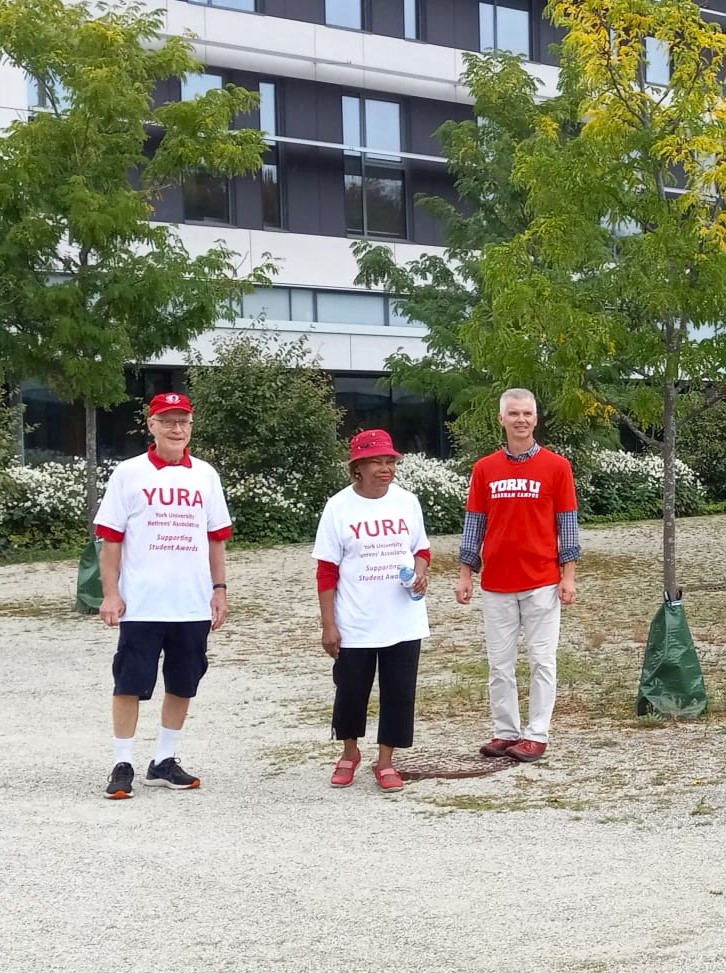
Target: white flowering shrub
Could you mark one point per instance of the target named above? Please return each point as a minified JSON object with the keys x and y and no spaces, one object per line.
{"x":440,"y":488}
{"x":44,"y":506}
{"x":277,"y":506}
{"x":629,"y":486}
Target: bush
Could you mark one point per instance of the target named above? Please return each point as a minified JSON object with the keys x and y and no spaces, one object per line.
{"x":440,"y":488}
{"x":629,"y":486}
{"x":44,"y":506}
{"x":702,"y":445}
{"x":275,"y":507}
{"x":265,"y":416}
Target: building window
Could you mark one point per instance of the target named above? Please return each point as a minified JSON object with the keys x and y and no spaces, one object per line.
{"x":197,"y":85}
{"x":298,"y":304}
{"x":344,"y":13}
{"x":375,"y":202}
{"x":505,"y":27}
{"x":206,"y":198}
{"x":249,"y":5}
{"x":411,"y":20}
{"x":657,"y":62}
{"x":346,"y":307}
{"x":270,"y":172}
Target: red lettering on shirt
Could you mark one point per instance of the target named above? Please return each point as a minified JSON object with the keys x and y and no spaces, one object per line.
{"x":377,"y":527}
{"x":175,"y":497}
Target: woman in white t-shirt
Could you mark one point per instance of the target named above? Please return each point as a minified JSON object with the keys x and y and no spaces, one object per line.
{"x":367,"y":532}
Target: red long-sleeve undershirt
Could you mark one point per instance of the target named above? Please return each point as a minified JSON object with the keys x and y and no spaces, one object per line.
{"x":327,"y":573}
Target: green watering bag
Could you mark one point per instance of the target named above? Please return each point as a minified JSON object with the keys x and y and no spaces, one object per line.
{"x":89,"y":593}
{"x":671,"y":682}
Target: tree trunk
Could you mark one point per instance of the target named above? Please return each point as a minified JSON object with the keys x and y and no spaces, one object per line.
{"x":669,"y":492}
{"x":91,"y":467}
{"x":16,"y":404}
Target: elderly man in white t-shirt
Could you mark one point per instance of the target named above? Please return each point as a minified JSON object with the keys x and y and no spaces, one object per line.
{"x":164,"y":523}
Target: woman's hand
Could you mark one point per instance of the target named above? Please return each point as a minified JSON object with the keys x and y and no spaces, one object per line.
{"x":421,"y":582}
{"x":331,"y":640}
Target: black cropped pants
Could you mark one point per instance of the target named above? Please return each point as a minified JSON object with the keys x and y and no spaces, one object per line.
{"x":353,"y":674}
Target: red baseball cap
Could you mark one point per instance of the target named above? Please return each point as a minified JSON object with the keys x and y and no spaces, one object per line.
{"x":168,"y":401}
{"x":372,"y":442}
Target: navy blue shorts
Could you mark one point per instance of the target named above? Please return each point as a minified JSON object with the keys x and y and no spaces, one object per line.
{"x":136,"y":663}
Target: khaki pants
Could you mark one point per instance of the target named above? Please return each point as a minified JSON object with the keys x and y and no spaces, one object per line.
{"x":537,"y":614}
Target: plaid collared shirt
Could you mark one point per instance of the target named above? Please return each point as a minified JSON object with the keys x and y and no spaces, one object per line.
{"x":475,"y":525}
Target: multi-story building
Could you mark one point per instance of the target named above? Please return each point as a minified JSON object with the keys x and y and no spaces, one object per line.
{"x":351,"y":94}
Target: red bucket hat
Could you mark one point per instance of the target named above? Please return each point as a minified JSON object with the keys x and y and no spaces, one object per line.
{"x":168,"y":401}
{"x":372,"y":442}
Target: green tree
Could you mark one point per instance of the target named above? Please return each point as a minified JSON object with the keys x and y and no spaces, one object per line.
{"x":443,"y":290}
{"x":265,"y":407}
{"x":89,"y":284}
{"x":615,"y":292}
{"x":702,"y":445}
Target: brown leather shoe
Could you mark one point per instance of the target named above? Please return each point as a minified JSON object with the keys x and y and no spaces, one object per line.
{"x":497,"y":747}
{"x":527,"y":751}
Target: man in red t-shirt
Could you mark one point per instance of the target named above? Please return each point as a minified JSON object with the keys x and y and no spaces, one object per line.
{"x":521,"y":530}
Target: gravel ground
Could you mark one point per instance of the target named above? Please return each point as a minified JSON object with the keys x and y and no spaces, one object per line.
{"x":606,"y":856}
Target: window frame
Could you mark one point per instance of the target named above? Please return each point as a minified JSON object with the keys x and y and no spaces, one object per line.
{"x":363,"y":16}
{"x":276,"y":154}
{"x":229,"y":192}
{"x":413,"y":8}
{"x":368,"y":162}
{"x":663,"y":52}
{"x":257,"y":5}
{"x":199,"y":77}
{"x":389,"y":316}
{"x":523,"y":6}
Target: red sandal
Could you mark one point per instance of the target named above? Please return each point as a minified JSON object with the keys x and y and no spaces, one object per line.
{"x":344,"y":772}
{"x":388,"y":779}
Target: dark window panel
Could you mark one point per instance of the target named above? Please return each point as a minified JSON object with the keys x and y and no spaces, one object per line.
{"x":270,"y":175}
{"x":307,"y":11}
{"x":353,"y":181}
{"x":429,"y":179}
{"x":544,"y":35}
{"x":386,"y":17}
{"x":271,"y":208}
{"x":366,"y":406}
{"x":206,"y":199}
{"x":385,"y":202}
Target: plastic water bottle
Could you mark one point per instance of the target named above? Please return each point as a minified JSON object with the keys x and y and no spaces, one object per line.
{"x":407,"y":575}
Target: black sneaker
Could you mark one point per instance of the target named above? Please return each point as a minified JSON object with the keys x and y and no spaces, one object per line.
{"x":169,"y":773}
{"x":119,"y":783}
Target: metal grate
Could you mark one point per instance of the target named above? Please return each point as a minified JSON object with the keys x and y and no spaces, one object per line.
{"x":452,"y":766}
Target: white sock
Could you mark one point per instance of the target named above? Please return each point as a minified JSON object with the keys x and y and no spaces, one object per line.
{"x":166,"y":744}
{"x":123,"y":750}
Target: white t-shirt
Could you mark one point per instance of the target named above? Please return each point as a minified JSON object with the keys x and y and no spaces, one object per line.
{"x":368,"y":540}
{"x":165,"y":515}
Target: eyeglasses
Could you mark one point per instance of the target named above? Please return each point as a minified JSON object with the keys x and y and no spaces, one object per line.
{"x":170,"y":423}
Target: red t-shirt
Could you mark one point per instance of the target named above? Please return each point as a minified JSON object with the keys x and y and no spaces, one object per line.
{"x":521,"y":501}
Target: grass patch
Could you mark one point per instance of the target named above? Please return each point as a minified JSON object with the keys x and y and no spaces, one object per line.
{"x":46,"y":609}
{"x":39,"y":555}
{"x":279,"y":759}
{"x":476,"y":803}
